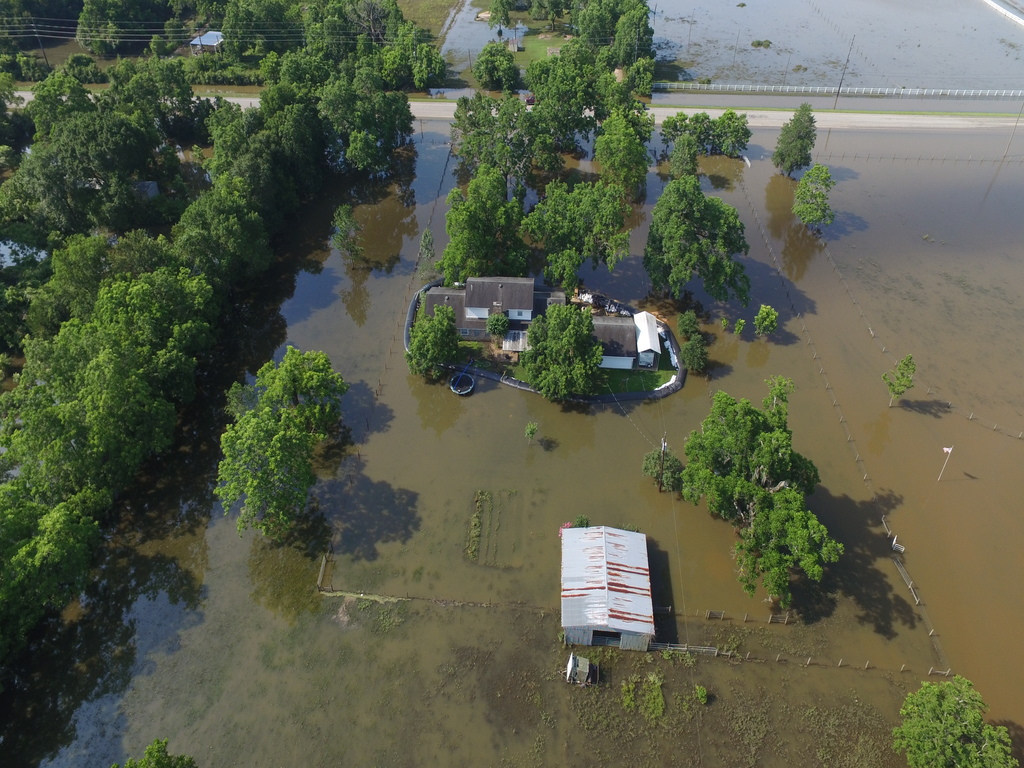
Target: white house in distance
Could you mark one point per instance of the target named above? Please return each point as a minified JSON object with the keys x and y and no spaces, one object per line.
{"x":208,"y":42}
{"x":606,"y":588}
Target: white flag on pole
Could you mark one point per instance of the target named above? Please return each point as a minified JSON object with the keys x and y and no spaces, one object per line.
{"x":948,"y":450}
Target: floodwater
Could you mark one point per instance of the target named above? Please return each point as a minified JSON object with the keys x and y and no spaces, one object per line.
{"x":222,"y":644}
{"x":952,"y":44}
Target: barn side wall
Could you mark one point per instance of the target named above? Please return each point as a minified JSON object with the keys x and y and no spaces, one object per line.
{"x":579,"y":636}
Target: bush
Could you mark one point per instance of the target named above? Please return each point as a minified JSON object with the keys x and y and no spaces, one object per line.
{"x":82,"y":67}
{"x":700,"y":693}
{"x":688,"y":325}
{"x":694,"y":354}
{"x":496,"y":68}
{"x":766,"y":321}
{"x":581,"y":521}
{"x":497,"y":325}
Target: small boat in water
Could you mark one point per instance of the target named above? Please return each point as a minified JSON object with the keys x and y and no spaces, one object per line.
{"x":462,"y":384}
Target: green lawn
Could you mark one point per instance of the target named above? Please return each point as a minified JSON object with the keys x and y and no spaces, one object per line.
{"x":622,"y":381}
{"x":534,"y":46}
{"x":636,"y":380}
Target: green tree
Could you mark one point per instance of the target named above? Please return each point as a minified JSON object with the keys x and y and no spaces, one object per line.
{"x":743,"y":465}
{"x":727,"y":134}
{"x":497,"y":325}
{"x":156,"y":757}
{"x":688,"y":325}
{"x":784,"y":536}
{"x":694,"y":354}
{"x":634,"y":36}
{"x":55,"y":99}
{"x":494,"y":132}
{"x":692,"y":234}
{"x":496,"y":68}
{"x":665,"y":469}
{"x":901,"y":379}
{"x":531,"y":430}
{"x":621,"y":153}
{"x":433,"y":341}
{"x":796,"y":141}
{"x":730,"y":134}
{"x":268,"y":449}
{"x":564,"y":357}
{"x":811,"y":197}
{"x":766,"y":320}
{"x":45,"y":554}
{"x":683,"y":159}
{"x":500,"y":10}
{"x":222,"y":236}
{"x":943,"y":728}
{"x":573,"y":226}
{"x":483,"y":230}
{"x":641,"y":76}
{"x":366,"y":123}
{"x":565,"y":87}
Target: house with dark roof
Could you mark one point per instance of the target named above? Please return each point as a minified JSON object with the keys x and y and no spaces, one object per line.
{"x":629,"y":342}
{"x":618,"y":341}
{"x":517,"y":297}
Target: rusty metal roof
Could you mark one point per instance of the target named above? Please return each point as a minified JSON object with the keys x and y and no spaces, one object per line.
{"x":606,"y":580}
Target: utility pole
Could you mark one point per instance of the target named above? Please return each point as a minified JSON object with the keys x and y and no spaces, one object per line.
{"x":1007,"y":150}
{"x":41,"y":49}
{"x":661,"y":467}
{"x":843,"y":76}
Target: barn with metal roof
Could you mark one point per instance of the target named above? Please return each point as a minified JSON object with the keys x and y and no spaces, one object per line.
{"x":606,"y":588}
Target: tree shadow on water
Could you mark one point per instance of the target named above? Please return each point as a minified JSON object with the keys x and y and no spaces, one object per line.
{"x":362,"y":412}
{"x":934,"y":407}
{"x":858,"y":575}
{"x":282,"y":572}
{"x":90,"y":654}
{"x":363,"y":513}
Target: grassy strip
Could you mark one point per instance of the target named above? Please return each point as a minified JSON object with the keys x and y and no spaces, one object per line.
{"x":619,"y":381}
{"x":481,"y":501}
{"x":428,"y":14}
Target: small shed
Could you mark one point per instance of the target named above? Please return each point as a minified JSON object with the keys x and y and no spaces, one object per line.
{"x":606,"y":588}
{"x":209,"y":41}
{"x":648,"y":344}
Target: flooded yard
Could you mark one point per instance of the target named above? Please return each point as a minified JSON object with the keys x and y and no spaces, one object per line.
{"x":223,"y":645}
{"x":952,"y":44}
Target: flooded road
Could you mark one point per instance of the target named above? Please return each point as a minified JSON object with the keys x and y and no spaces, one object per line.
{"x":223,"y":645}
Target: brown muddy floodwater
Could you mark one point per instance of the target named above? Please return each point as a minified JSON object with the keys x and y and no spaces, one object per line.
{"x":222,"y":644}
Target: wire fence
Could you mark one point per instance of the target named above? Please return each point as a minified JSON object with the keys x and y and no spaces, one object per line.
{"x":838,"y":411}
{"x":998,"y":94}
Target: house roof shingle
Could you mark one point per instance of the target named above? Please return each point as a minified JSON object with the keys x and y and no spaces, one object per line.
{"x":509,"y":292}
{"x":617,"y":336}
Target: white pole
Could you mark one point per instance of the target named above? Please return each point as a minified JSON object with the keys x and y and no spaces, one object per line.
{"x":948,"y":454}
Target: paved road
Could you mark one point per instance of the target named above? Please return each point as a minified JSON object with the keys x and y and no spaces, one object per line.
{"x":893,"y":121}
{"x":759,"y":117}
